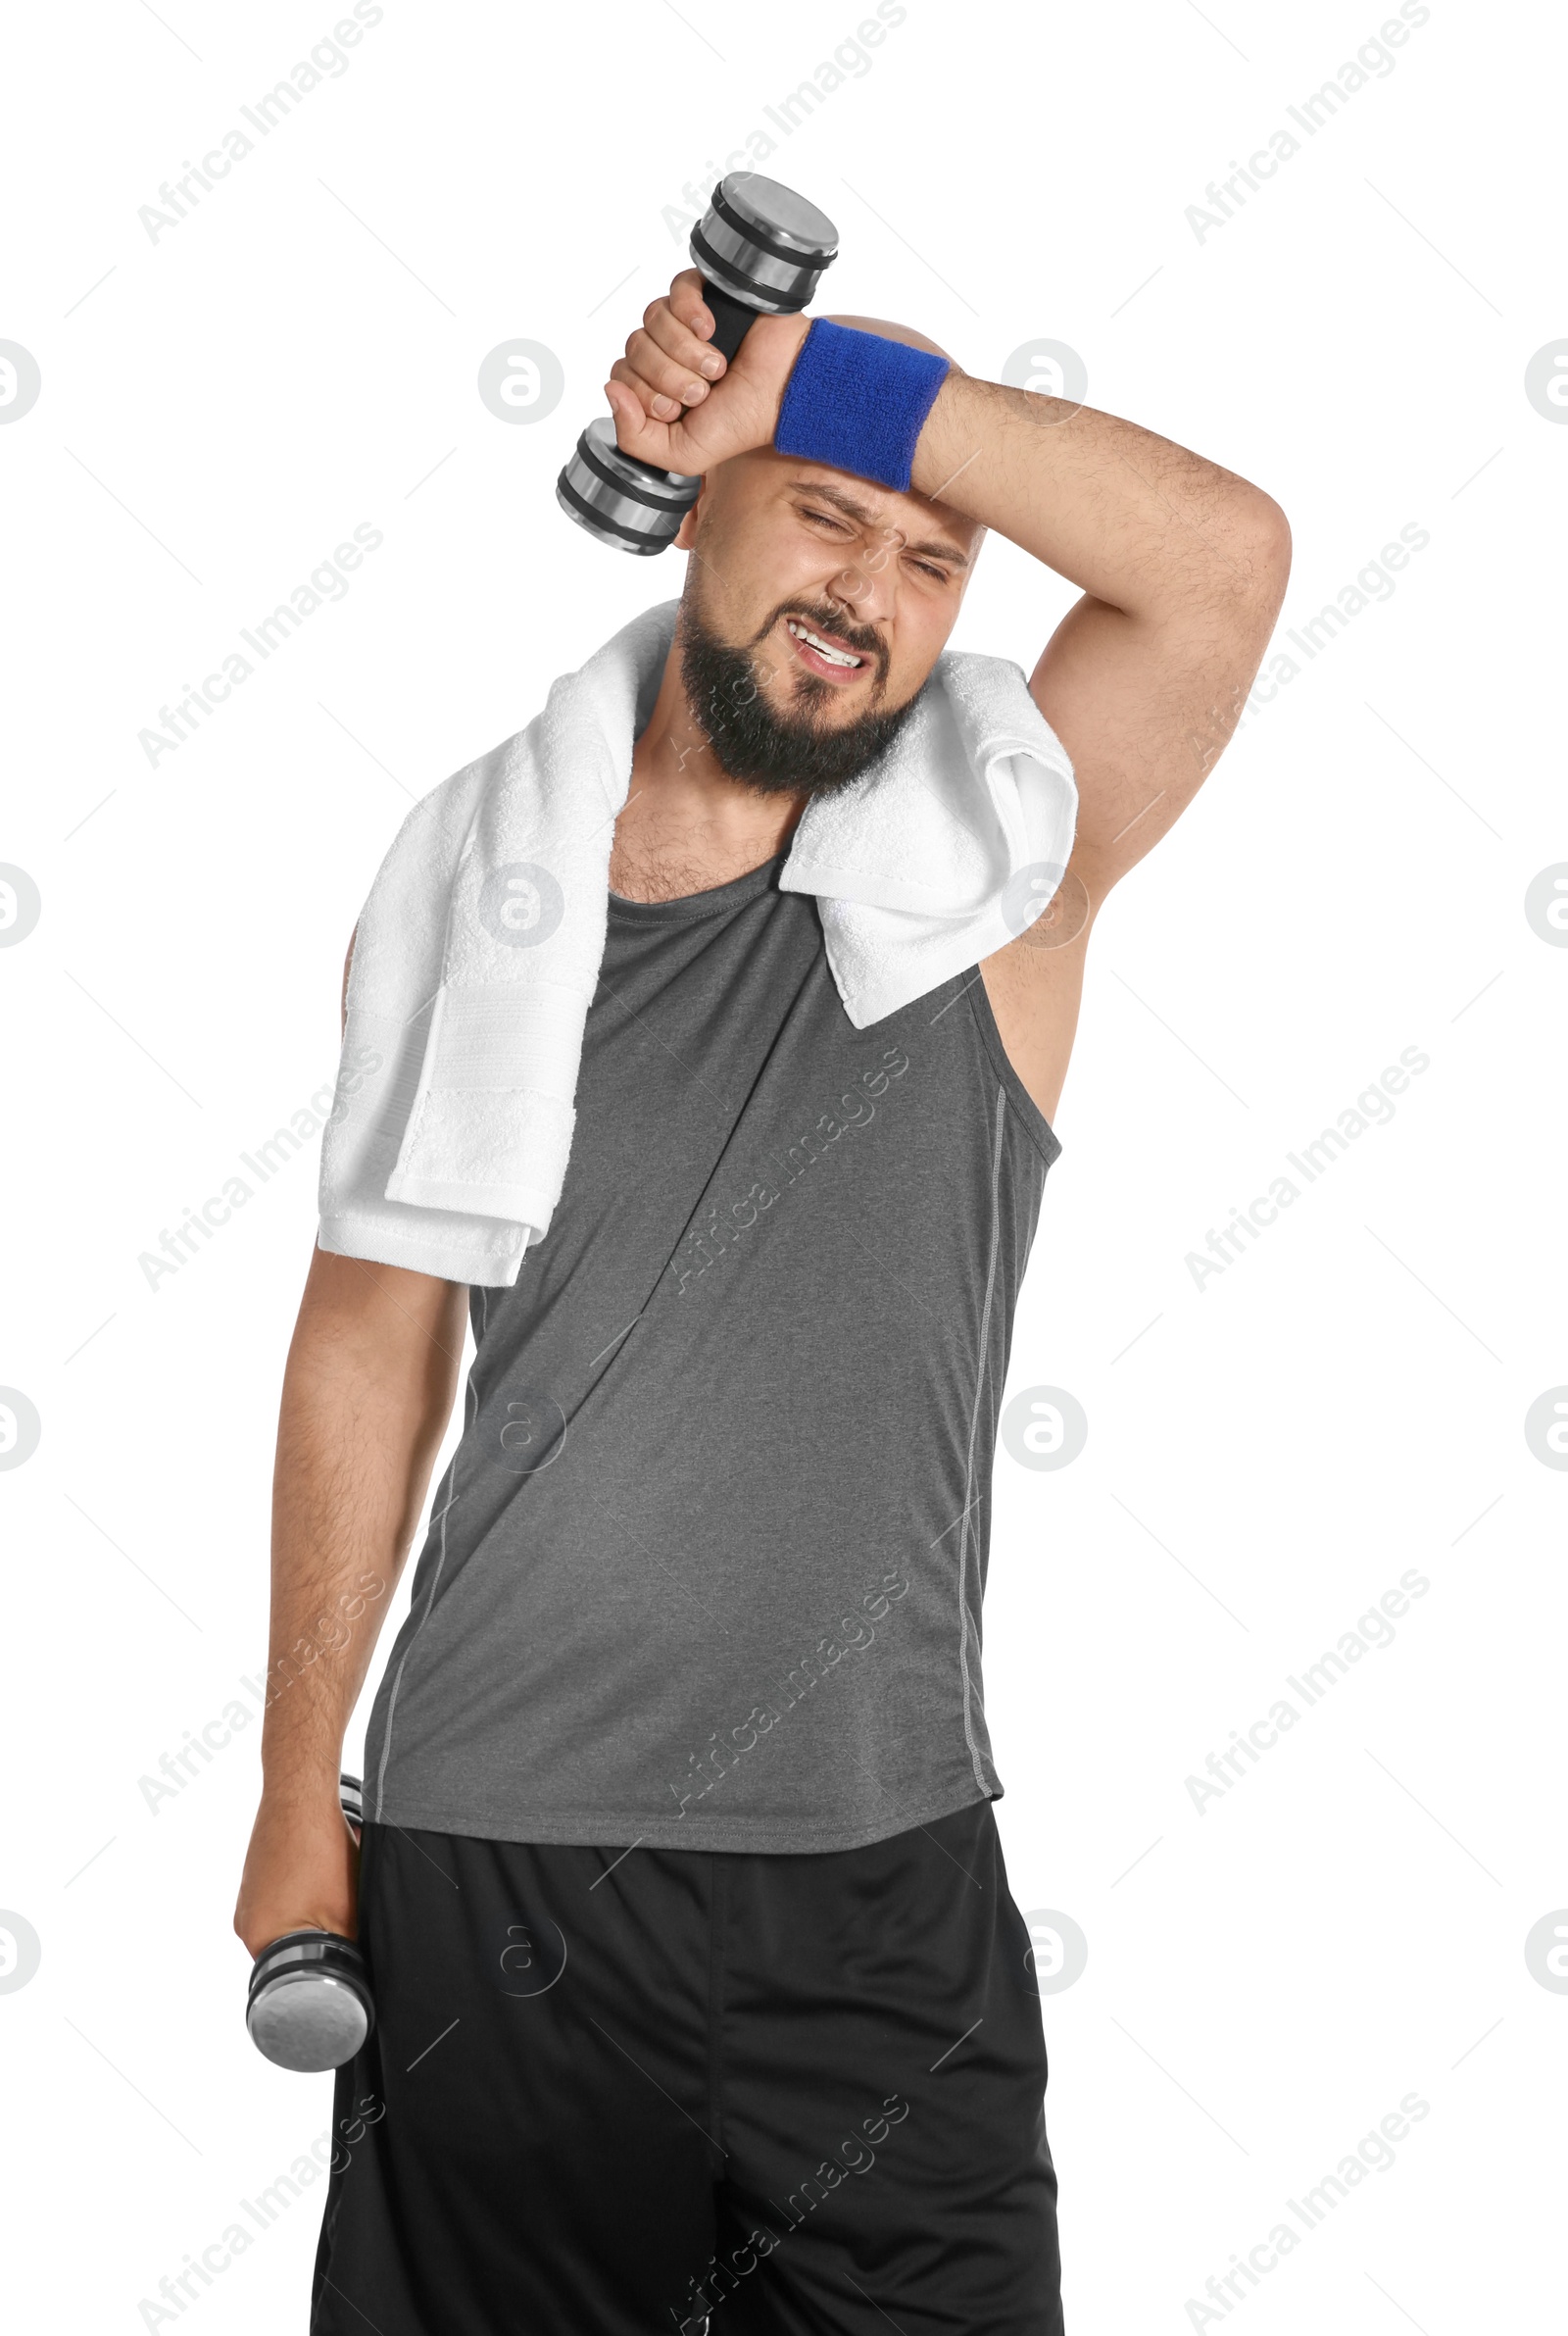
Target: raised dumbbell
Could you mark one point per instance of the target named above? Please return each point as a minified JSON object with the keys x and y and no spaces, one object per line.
{"x":310,"y":2005}
{"x":761,"y":251}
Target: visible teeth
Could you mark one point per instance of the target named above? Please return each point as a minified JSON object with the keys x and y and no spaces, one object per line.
{"x":804,"y":633}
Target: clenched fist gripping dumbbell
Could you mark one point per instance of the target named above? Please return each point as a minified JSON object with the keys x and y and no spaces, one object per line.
{"x":309,"y":2006}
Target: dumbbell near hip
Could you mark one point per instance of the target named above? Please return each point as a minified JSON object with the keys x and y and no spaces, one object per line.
{"x":761,"y":250}
{"x":310,"y":2005}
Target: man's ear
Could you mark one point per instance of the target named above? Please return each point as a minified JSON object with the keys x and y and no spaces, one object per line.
{"x":685,"y":539}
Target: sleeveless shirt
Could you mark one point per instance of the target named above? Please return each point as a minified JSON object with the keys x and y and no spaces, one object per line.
{"x":705,"y":1568}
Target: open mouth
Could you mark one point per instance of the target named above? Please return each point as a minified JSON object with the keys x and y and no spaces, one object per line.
{"x":820,"y":653}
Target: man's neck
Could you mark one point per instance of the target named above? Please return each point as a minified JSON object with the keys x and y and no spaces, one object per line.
{"x":686,"y":827}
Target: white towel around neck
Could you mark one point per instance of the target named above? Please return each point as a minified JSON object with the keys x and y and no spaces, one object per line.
{"x":478,"y":953}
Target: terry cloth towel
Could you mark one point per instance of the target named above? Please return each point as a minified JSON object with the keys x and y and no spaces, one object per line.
{"x":478,"y":953}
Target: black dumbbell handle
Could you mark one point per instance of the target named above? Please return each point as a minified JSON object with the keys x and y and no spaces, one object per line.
{"x":732,"y":320}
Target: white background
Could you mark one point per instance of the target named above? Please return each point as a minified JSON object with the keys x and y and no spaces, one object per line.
{"x":1266,"y":1454}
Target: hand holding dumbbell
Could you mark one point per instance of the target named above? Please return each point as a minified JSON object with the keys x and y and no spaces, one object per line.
{"x":308,"y":2005}
{"x":759,"y":251}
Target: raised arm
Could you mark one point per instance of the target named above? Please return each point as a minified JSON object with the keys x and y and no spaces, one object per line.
{"x":1183,"y":568}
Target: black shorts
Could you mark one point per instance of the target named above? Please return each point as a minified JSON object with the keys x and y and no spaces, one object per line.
{"x":617,"y":2091}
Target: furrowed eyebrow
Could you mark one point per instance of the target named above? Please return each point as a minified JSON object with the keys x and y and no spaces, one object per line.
{"x":869,"y":519}
{"x":941,"y":550}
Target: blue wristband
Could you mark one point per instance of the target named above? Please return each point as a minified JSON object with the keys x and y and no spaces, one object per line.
{"x":859,"y":402}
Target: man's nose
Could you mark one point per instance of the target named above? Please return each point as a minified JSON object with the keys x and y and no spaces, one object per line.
{"x":867,"y":583}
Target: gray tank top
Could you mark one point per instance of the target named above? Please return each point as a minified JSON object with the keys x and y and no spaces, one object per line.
{"x":705,"y":1568}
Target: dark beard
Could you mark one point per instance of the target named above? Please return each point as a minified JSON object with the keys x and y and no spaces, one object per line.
{"x":779,"y":753}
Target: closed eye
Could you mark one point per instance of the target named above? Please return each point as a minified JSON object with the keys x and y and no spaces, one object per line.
{"x":822,"y":518}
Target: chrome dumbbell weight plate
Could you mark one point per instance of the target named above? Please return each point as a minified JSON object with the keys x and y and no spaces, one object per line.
{"x":621,"y":500}
{"x":310,"y":2001}
{"x":764,"y":244}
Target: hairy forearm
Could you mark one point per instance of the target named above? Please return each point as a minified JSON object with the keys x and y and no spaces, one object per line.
{"x":367,"y":1394}
{"x":1141,"y":524}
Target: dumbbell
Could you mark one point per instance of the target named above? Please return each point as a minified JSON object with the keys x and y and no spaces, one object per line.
{"x":309,"y":2006}
{"x":761,"y":250}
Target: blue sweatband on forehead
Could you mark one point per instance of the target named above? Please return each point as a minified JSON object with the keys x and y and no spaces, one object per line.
{"x":858,"y":403}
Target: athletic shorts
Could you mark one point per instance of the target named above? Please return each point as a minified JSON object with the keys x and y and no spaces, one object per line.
{"x":615,"y":2091}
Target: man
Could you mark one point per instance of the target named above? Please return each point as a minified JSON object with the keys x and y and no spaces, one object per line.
{"x":701,"y":1995}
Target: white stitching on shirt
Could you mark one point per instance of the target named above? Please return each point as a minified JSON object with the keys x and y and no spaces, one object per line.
{"x":964,"y":1631}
